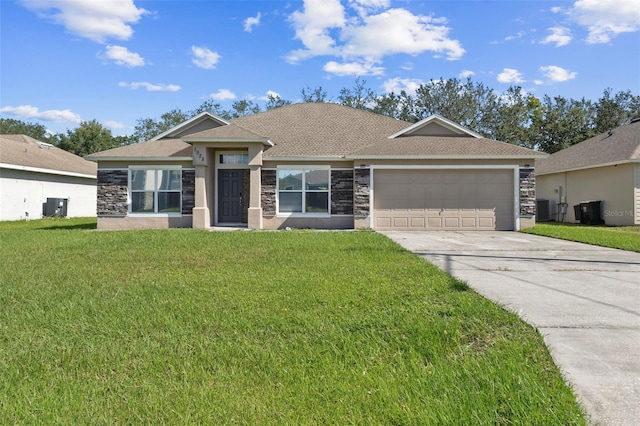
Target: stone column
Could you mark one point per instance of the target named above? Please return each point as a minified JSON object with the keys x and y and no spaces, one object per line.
{"x":527,"y":187}
{"x":361,"y":198}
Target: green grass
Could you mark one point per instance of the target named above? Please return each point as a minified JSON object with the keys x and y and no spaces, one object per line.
{"x":621,"y":237}
{"x":299,"y":328}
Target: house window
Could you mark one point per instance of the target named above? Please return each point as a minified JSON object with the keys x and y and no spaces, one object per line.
{"x":303,"y":191}
{"x":155,"y":190}
{"x":234,"y":158}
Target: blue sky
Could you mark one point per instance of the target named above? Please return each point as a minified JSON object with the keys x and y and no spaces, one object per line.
{"x":63,"y":61}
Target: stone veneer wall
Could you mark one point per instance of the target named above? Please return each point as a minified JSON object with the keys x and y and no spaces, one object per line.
{"x":188,"y":191}
{"x":361,"y":188}
{"x":527,"y":191}
{"x":112,"y":192}
{"x":342,"y":192}
{"x":268,"y":192}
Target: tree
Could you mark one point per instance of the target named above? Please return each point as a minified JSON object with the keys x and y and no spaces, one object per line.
{"x":562,"y":123}
{"x":148,"y":128}
{"x":359,"y":97}
{"x":470,"y":105}
{"x":615,"y":111}
{"x":87,"y":138}
{"x":9,"y":126}
{"x":397,"y":106}
{"x":243,"y":107}
{"x":514,"y":117}
{"x":274,"y":101}
{"x":316,"y":95}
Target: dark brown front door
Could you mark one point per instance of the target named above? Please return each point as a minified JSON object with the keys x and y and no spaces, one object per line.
{"x":230,"y":185}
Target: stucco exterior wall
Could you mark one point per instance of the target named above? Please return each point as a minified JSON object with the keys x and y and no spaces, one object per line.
{"x":144,"y":222}
{"x":333,"y":222}
{"x":23,"y":192}
{"x":613,"y":185}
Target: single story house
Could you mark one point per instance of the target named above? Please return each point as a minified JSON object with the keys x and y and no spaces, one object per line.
{"x":317,"y":165}
{"x":38,"y":179}
{"x":603,"y":168}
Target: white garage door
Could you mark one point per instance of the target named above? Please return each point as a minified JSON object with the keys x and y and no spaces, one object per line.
{"x":443,"y":199}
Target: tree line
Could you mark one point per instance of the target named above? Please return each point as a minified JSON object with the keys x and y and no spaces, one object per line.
{"x":547,"y":124}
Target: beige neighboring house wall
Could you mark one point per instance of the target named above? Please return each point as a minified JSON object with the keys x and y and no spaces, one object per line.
{"x":603,"y":168}
{"x":636,"y":192}
{"x":32,"y":171}
{"x":613,"y":185}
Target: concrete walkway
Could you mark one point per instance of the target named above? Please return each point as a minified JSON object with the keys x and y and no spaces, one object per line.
{"x":584,"y":300}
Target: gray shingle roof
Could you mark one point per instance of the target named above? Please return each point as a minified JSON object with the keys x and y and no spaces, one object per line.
{"x":232,"y":131}
{"x":151,"y":149}
{"x":326,"y":130}
{"x":444,"y":146}
{"x":319,"y":129}
{"x":21,"y":150}
{"x":623,"y":145}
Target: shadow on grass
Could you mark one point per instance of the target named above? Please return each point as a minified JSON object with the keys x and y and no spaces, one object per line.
{"x":71,"y":226}
{"x":458,"y":285}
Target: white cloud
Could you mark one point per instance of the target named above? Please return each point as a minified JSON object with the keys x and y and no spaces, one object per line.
{"x":396,"y":85}
{"x":121,"y":56}
{"x":31,"y":112}
{"x":605,"y":19}
{"x":510,"y":75}
{"x":312,"y":28}
{"x":114,"y":124}
{"x":251,"y":22}
{"x":364,"y":7}
{"x":353,"y":68}
{"x":557,"y":74}
{"x":95,"y":20}
{"x":134,"y":85}
{"x":560,"y":36}
{"x":326,"y":28}
{"x":203,"y":57}
{"x":269,"y":93}
{"x":516,"y":36}
{"x":223,"y":95}
{"x":466,"y":74}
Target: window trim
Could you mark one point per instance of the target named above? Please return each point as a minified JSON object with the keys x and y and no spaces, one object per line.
{"x":303,"y":191}
{"x":156,"y":190}
{"x":220,"y":165}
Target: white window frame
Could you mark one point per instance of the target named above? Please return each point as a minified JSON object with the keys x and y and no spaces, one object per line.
{"x":303,"y":191}
{"x":156,"y":190}
{"x":220,"y":165}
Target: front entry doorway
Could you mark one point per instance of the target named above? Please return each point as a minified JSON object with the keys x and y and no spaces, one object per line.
{"x":230,"y":197}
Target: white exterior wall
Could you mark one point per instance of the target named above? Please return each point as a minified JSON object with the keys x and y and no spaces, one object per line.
{"x":24,"y":192}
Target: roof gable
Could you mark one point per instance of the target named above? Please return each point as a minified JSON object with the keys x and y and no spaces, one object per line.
{"x":230,"y":133}
{"x":618,"y":146}
{"x":203,"y":121}
{"x":436,"y":125}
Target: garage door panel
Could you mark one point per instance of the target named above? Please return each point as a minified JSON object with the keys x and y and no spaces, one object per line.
{"x":443,"y":199}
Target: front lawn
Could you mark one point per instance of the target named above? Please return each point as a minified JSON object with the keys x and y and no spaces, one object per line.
{"x":620,"y":237}
{"x":300,"y":328}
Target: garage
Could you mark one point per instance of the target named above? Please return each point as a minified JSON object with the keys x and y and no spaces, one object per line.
{"x":443,"y":199}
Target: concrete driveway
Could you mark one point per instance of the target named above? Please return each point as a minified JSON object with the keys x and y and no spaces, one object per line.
{"x":584,"y":300}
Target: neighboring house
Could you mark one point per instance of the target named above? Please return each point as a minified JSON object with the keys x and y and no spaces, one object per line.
{"x":604,"y":168}
{"x":37,"y":179}
{"x":317,"y":165}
